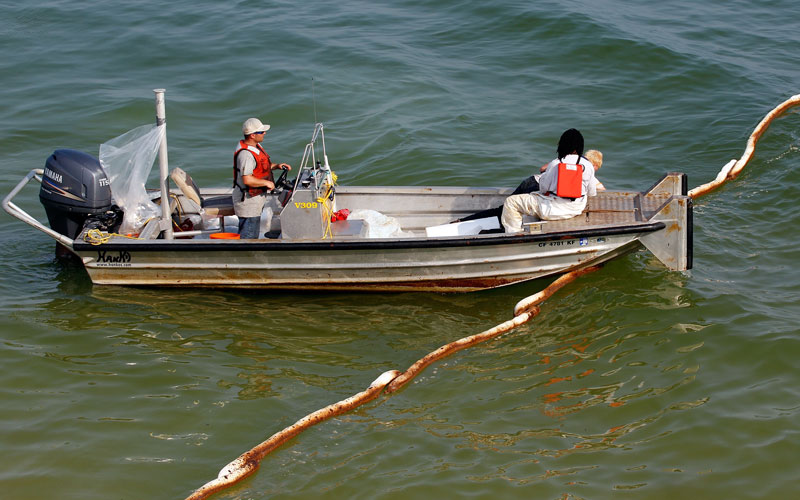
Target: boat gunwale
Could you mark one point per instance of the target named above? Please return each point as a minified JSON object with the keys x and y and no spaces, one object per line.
{"x":363,"y":244}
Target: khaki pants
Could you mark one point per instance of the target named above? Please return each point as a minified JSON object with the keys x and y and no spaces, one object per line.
{"x":544,"y":207}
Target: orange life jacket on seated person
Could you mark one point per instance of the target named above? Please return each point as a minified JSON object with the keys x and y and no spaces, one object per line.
{"x":570,"y":180}
{"x":262,"y":170}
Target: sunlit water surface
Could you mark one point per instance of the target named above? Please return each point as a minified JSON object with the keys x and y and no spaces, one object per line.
{"x":633,"y":382}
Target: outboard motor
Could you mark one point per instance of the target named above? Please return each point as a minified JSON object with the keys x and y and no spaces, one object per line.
{"x":74,"y":187}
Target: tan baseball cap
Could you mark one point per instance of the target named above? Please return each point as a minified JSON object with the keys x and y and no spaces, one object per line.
{"x":253,"y":125}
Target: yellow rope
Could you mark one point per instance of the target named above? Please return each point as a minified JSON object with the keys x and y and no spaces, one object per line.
{"x":327,"y":211}
{"x":97,"y":237}
{"x":326,"y":219}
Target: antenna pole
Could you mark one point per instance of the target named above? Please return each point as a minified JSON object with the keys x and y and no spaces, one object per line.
{"x":163,"y":164}
{"x":314,"y":99}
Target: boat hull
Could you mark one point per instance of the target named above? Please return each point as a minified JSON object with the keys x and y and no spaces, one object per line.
{"x":456,"y":265}
{"x":613,"y":223}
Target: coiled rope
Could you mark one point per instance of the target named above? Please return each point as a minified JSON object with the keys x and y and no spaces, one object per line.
{"x":98,"y":237}
{"x":392,"y":380}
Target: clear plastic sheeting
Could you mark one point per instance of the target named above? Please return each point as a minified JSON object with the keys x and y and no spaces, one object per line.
{"x":127,"y":161}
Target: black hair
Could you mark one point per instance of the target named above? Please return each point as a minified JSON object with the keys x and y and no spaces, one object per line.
{"x":571,"y":142}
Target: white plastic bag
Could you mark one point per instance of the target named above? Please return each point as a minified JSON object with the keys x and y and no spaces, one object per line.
{"x":377,"y":225}
{"x":127,"y":161}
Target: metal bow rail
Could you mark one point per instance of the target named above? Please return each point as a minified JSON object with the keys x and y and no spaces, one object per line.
{"x":390,"y":381}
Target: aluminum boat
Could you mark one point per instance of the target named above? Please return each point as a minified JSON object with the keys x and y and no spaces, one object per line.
{"x":304,"y":247}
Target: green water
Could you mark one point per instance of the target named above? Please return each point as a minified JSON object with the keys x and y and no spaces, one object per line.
{"x":633,"y":382}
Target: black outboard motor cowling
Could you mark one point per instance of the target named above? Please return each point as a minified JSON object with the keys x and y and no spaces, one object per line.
{"x":74,"y":187}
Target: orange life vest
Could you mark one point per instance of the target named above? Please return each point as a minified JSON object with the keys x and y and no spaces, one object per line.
{"x":262,"y":170}
{"x":570,"y":180}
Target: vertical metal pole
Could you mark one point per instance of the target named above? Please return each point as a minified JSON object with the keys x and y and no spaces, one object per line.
{"x":163,"y":166}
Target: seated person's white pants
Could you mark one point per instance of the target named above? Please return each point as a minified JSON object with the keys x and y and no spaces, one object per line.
{"x":543,"y":207}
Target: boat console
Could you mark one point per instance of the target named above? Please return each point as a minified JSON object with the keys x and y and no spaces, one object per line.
{"x":307,"y":213}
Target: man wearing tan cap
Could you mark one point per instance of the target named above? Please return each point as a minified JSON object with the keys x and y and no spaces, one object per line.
{"x":252,"y":177}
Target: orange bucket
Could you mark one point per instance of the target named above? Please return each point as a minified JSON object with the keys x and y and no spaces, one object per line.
{"x":224,"y":236}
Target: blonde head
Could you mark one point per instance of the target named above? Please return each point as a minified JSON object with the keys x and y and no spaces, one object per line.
{"x":596,"y":157}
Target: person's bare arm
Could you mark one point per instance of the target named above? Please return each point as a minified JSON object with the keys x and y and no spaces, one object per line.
{"x":254,"y":182}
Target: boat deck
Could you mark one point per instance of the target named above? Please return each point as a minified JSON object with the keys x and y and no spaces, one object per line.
{"x":611,"y":208}
{"x":417,"y":208}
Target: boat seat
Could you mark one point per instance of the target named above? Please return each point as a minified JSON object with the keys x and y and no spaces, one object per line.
{"x":216,"y":206}
{"x":192,"y":201}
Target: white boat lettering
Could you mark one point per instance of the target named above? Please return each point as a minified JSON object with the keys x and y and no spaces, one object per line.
{"x":104,"y":182}
{"x":54,"y":175}
{"x":558,"y":243}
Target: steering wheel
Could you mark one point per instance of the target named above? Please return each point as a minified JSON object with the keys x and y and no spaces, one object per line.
{"x":284,"y":188}
{"x":282,"y":182}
